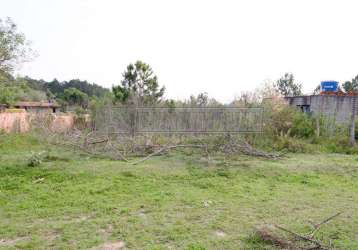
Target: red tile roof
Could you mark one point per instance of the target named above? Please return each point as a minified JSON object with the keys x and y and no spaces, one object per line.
{"x":37,"y":104}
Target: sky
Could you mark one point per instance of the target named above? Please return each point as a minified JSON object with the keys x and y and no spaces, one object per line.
{"x":222,"y":47}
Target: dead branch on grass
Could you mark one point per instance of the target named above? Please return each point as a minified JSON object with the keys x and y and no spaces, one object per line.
{"x":234,"y":145}
{"x":317,"y":226}
{"x":75,"y":139}
{"x":267,"y":236}
{"x":118,"y":147}
{"x":286,"y":244}
{"x":167,"y":149}
{"x":318,"y":244}
{"x":107,"y":146}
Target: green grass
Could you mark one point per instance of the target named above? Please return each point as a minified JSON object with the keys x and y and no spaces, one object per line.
{"x":72,"y":201}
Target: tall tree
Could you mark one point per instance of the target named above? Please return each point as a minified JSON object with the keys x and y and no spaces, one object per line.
{"x":14,"y":50}
{"x":350,"y":86}
{"x":201,"y":100}
{"x":139,"y":86}
{"x":74,"y":96}
{"x":14,"y":47}
{"x":287,"y":86}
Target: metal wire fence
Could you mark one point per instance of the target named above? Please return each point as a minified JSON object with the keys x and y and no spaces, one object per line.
{"x":197,"y":120}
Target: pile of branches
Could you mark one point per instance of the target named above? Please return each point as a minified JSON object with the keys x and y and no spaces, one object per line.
{"x":90,"y":143}
{"x":122,"y":147}
{"x":299,"y":241}
{"x":235,"y":145}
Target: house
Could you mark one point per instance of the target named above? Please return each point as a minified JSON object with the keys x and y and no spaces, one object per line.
{"x":49,"y":107}
{"x":2,"y":107}
{"x":338,"y":107}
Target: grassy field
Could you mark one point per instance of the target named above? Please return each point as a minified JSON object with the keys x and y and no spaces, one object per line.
{"x":178,"y":201}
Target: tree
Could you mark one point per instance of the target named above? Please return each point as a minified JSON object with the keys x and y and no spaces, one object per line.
{"x":13,"y":46}
{"x":139,"y":86}
{"x":16,"y":89}
{"x":286,"y":86}
{"x":350,"y":86}
{"x":74,"y":96}
{"x":201,"y":100}
{"x":247,"y":99}
{"x":317,"y":90}
{"x":266,"y":90}
{"x":13,"y":50}
{"x":8,"y":94}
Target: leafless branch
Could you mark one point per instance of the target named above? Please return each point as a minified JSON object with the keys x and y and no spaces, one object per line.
{"x":318,"y":226}
{"x":167,"y":148}
{"x":302,"y":237}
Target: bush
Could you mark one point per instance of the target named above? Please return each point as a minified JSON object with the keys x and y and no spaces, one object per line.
{"x":303,"y":126}
{"x":283,"y":120}
{"x":340,"y":145}
{"x":35,"y":159}
{"x":293,"y":145}
{"x":80,"y":111}
{"x":278,"y":121}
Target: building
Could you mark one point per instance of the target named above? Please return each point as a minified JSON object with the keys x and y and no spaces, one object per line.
{"x":2,"y":107}
{"x":338,"y":107}
{"x":48,"y":107}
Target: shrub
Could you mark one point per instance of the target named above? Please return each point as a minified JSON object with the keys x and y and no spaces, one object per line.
{"x":80,"y":111}
{"x":35,"y":159}
{"x":303,"y":126}
{"x":282,"y":120}
{"x":279,"y":121}
{"x":339,"y":144}
{"x":293,"y":145}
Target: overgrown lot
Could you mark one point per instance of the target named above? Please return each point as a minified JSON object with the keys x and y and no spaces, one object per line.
{"x":176,"y":201}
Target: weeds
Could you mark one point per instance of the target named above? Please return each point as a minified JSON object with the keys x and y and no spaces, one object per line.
{"x":35,"y":159}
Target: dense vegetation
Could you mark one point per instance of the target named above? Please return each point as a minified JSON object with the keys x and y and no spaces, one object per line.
{"x":57,"y":88}
{"x":73,"y":92}
{"x":16,"y":89}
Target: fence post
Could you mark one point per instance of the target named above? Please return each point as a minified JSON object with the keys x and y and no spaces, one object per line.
{"x":318,"y":126}
{"x":132,"y":118}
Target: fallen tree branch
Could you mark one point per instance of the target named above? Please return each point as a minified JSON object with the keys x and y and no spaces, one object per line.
{"x":318,"y":226}
{"x":87,"y":151}
{"x":317,"y":243}
{"x":117,"y":152}
{"x":233,"y":145}
{"x":97,"y":142}
{"x":285,"y":244}
{"x":167,"y":148}
{"x":249,"y":150}
{"x":267,"y":236}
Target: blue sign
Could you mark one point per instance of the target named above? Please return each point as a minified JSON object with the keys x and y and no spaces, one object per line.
{"x":329,"y":86}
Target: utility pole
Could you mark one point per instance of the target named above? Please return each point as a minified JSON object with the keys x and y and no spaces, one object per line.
{"x":353,"y":121}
